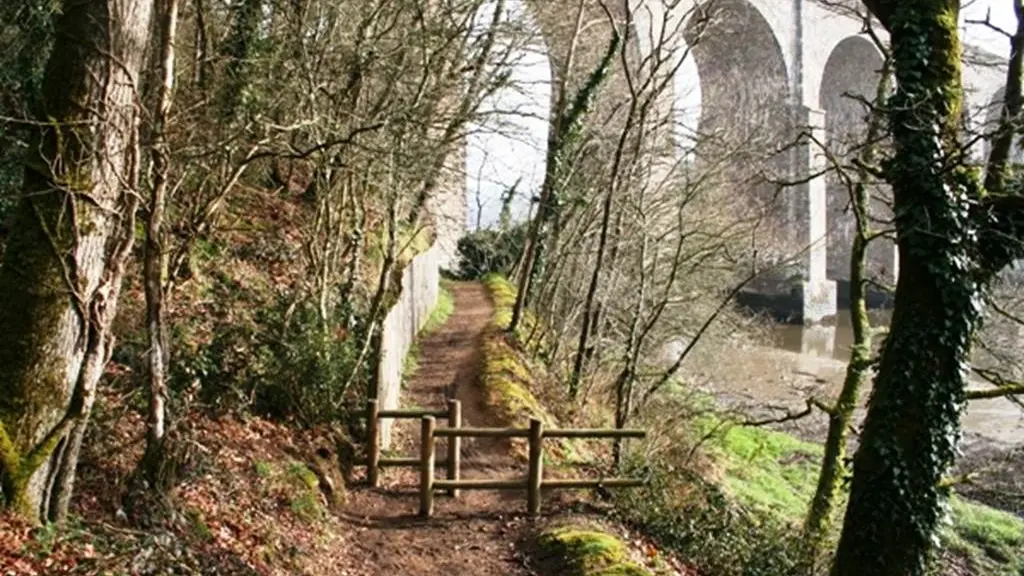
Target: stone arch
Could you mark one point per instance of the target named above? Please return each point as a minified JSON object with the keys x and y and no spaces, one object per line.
{"x":849,"y":80}
{"x":510,"y":149}
{"x":740,"y":76}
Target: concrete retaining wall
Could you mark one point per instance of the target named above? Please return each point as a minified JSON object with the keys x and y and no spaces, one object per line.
{"x":420,"y":285}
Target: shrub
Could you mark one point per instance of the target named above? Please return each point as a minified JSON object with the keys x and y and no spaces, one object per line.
{"x":280,"y":362}
{"x":490,"y":251}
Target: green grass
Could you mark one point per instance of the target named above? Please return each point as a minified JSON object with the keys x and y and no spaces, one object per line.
{"x":776,"y":473}
{"x":443,"y":310}
{"x":993,"y":540}
{"x":582,"y":551}
{"x":770,"y":471}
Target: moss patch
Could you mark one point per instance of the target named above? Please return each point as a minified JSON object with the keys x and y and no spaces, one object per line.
{"x":503,"y":293}
{"x":581,"y":551}
{"x":511,"y":378}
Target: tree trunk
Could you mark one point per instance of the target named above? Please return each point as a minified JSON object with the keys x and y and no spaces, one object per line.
{"x":912,"y":426}
{"x":998,"y":171}
{"x":72,"y":234}
{"x":819,"y":520}
{"x":155,"y":261}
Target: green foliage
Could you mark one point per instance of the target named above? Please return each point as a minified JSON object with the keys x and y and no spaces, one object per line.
{"x":584,"y":551}
{"x":279,"y":362}
{"x":487,"y":251}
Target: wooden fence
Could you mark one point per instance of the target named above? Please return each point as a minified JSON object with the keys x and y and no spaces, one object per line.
{"x":454,"y":432}
{"x":374,"y":461}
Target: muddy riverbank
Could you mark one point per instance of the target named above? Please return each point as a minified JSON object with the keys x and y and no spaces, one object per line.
{"x":761,"y":381}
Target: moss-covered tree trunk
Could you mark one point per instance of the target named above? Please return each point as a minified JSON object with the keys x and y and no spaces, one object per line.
{"x":819,"y":522}
{"x":72,"y":234}
{"x":912,"y":426}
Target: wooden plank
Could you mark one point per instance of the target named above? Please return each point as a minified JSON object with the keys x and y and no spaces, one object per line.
{"x":594,"y":433}
{"x":454,"y":444}
{"x":427,"y":470}
{"x":413,"y":413}
{"x":408,"y":462}
{"x":482,"y":432}
{"x":536,"y":467}
{"x":373,"y":445}
{"x":592,"y":483}
{"x":481,"y":484}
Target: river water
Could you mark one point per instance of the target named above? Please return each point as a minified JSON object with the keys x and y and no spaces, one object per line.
{"x":822,"y":352}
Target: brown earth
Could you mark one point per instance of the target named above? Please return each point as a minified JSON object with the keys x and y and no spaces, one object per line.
{"x":476,"y":533}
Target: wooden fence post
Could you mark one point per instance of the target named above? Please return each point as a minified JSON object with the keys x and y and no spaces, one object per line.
{"x":427,"y":466}
{"x":373,"y":444}
{"x":536,"y":466}
{"x":454,"y":444}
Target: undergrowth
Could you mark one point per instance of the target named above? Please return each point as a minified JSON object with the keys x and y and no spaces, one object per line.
{"x":743,"y":516}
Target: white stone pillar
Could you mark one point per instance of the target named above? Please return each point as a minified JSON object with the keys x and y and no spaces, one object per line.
{"x":819,"y":293}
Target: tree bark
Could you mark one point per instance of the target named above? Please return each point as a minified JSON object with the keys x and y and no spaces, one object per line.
{"x":912,"y":426}
{"x":819,"y":520}
{"x":155,"y":260}
{"x":73,"y":232}
{"x":998,"y":170}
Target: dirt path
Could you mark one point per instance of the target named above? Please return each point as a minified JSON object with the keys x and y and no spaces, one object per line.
{"x":475,"y":534}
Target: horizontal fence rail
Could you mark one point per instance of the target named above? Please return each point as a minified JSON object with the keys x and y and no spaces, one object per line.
{"x":534,"y":481}
{"x":374,"y":461}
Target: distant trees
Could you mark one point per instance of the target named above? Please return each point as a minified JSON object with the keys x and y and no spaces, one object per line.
{"x":632,"y":247}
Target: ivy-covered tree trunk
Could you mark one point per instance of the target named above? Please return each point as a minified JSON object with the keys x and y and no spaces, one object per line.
{"x":912,"y":426}
{"x":64,"y":263}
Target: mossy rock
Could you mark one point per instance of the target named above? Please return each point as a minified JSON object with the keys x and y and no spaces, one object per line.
{"x":581,"y":551}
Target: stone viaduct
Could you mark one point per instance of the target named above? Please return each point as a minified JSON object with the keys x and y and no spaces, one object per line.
{"x":760,"y":69}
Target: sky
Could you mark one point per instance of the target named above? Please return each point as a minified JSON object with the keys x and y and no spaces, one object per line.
{"x":1002,"y":16}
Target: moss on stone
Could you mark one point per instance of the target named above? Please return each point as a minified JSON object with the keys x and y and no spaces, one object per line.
{"x":581,"y":551}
